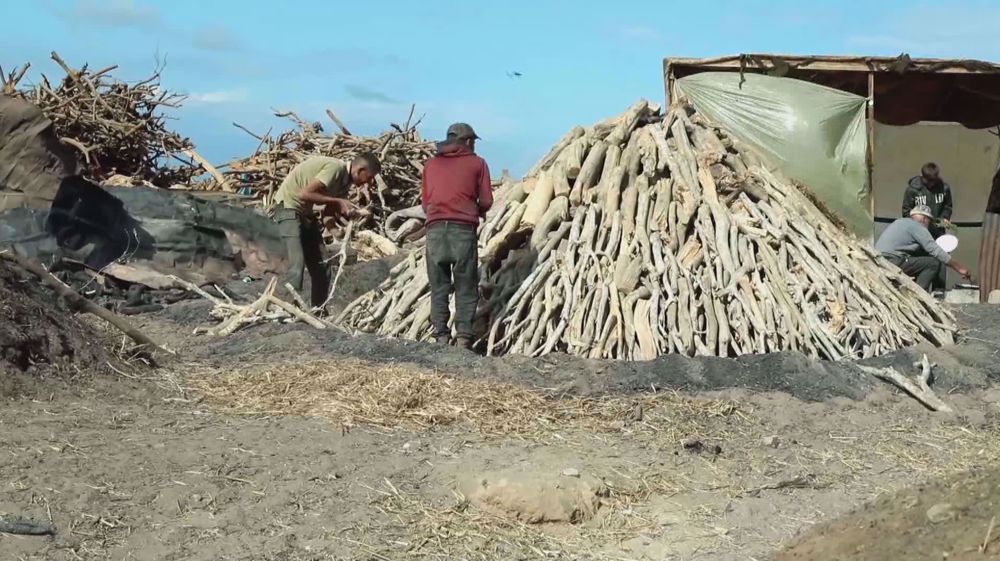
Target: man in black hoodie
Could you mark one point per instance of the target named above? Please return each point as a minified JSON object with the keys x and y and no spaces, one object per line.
{"x":928,"y":189}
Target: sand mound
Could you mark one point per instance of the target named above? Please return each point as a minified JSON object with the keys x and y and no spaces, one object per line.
{"x":954,"y":519}
{"x":536,"y":498}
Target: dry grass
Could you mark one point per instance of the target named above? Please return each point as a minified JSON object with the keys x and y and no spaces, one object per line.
{"x":353,"y":392}
{"x":456,"y":530}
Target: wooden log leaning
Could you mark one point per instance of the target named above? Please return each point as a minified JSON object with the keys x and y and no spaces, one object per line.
{"x":82,"y":304}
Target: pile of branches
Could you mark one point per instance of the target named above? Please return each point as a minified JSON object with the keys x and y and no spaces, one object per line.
{"x":118,"y":128}
{"x":401,"y":150}
{"x":266,"y":308}
{"x":645,"y":235}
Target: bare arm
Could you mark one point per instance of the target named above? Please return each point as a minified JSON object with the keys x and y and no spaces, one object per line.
{"x":315,"y":193}
{"x":930,"y":246}
{"x":960,"y":269}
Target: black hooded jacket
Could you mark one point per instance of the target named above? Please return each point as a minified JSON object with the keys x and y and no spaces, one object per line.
{"x":937,"y":197}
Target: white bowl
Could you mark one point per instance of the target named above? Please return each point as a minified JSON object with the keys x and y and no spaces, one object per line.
{"x":948,"y":242}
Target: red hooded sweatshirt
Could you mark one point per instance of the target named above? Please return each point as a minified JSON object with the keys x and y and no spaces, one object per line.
{"x":456,"y":186}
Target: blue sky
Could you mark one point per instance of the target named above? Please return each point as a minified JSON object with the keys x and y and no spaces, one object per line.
{"x":369,"y":60}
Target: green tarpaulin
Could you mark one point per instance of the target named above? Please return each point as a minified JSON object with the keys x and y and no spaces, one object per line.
{"x":811,"y":134}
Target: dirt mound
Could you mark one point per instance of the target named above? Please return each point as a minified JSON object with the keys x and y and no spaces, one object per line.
{"x":954,"y":518}
{"x":962,"y":367}
{"x":37,"y":333}
{"x":536,"y":497}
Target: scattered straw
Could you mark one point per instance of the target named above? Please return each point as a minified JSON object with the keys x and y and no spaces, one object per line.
{"x":358,"y":392}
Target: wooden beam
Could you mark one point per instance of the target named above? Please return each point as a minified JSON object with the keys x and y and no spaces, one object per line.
{"x":835,"y":63}
{"x":870,"y":150}
{"x":668,"y":80}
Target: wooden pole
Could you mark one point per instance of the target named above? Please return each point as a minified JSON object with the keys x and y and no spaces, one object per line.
{"x":668,"y":81}
{"x":870,"y":150}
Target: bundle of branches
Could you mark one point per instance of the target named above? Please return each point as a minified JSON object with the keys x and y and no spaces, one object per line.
{"x":644,"y":235}
{"x":401,"y":151}
{"x":266,"y":308}
{"x":119,"y":128}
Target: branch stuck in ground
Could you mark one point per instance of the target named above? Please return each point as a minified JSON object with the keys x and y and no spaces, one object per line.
{"x":920,"y":389}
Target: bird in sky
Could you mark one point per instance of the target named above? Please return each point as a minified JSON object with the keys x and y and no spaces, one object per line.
{"x":513,"y":74}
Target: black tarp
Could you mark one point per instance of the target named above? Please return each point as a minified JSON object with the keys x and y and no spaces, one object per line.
{"x":48,"y":211}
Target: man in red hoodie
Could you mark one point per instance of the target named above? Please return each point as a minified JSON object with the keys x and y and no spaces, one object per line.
{"x":456,"y":194}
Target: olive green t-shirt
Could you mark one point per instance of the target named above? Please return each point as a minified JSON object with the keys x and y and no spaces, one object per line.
{"x":331,"y":172}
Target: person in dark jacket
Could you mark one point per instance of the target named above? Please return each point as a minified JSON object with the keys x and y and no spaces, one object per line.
{"x":456,"y":194}
{"x":928,"y":189}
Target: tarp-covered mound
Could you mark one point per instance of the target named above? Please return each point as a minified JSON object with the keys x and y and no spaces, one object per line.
{"x":48,"y":211}
{"x":166,"y":231}
{"x":645,"y":235}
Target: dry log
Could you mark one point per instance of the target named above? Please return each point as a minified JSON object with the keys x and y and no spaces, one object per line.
{"x":590,"y":172}
{"x":539,"y":199}
{"x":919,"y":389}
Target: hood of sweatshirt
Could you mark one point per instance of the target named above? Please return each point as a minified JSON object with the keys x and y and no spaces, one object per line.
{"x":917,"y":183}
{"x":453,"y":149}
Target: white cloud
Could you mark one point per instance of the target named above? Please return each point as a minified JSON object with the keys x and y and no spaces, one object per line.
{"x":216,"y":38}
{"x":636,"y":32}
{"x":883,"y":44}
{"x":116,"y":13}
{"x":364,"y":93}
{"x":487,"y":119}
{"x":217,"y":97}
{"x":370,"y":117}
{"x":953,"y":31}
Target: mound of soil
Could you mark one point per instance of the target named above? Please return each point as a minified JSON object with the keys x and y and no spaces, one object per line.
{"x":954,"y":519}
{"x":965,"y":366}
{"x":37,"y":332}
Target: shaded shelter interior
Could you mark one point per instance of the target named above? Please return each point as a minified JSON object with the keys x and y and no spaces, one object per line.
{"x":945,"y":111}
{"x":907,"y":91}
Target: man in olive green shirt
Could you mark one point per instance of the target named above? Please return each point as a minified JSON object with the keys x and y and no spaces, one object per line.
{"x":320,"y":180}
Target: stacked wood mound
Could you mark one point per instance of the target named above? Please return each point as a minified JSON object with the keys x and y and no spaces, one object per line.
{"x":646,"y":235}
{"x":401,"y":150}
{"x":118,"y":128}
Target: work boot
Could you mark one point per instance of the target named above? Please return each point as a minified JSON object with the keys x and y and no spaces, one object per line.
{"x":464,"y":343}
{"x":442,"y":339}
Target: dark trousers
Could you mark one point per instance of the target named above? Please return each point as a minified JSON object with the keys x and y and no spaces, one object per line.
{"x":941,"y":280}
{"x":924,"y":269}
{"x":304,"y":241}
{"x":453,"y":265}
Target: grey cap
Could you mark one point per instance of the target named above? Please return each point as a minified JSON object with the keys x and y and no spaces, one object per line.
{"x":461,"y":130}
{"x":923,"y":210}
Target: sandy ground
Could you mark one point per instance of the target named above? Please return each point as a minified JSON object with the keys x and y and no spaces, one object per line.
{"x":281,"y":444}
{"x":128,"y":470}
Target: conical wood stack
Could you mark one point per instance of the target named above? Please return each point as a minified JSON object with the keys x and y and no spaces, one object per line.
{"x":645,"y":235}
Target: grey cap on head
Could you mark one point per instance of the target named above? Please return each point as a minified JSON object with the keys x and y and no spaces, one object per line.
{"x":461,"y":131}
{"x":922,"y":210}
